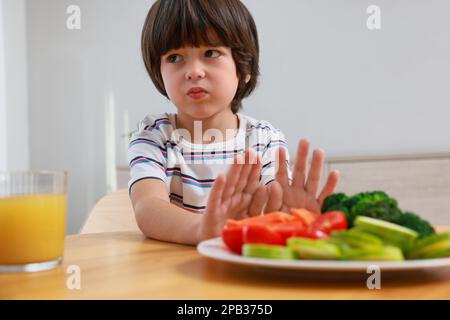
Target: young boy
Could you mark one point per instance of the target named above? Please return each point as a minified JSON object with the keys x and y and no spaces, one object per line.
{"x":203,"y":55}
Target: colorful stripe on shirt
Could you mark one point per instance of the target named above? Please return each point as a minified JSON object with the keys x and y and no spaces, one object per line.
{"x":261,"y":126}
{"x":186,"y":179}
{"x":219,"y":154}
{"x":271,"y":144}
{"x":213,"y":155}
{"x":140,"y":160}
{"x":156,"y":124}
{"x":163,"y":150}
{"x":179,"y":200}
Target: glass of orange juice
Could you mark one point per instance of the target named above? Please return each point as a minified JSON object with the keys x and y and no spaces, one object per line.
{"x":32,"y":220}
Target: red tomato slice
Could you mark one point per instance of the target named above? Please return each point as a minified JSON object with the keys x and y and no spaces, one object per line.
{"x":304,"y":215}
{"x":261,"y":234}
{"x":233,"y":238}
{"x":330,"y":221}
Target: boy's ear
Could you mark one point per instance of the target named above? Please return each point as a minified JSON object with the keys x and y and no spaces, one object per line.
{"x":247,"y":78}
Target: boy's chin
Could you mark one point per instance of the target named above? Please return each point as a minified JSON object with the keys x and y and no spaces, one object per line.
{"x":201,"y":112}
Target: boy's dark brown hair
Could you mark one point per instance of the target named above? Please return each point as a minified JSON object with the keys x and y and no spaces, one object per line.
{"x":172,"y":24}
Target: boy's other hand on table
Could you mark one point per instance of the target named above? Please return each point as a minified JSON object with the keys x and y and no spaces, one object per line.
{"x":301,"y":192}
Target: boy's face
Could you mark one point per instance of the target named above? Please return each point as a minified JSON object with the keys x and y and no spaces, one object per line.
{"x":210,"y":68}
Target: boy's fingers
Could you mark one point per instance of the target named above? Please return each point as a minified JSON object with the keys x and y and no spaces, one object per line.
{"x":232,"y":178}
{"x":275,"y":200}
{"x":215,"y":196}
{"x":282,"y":174}
{"x":301,"y":159}
{"x":258,"y":201}
{"x":245,"y":172}
{"x":312,"y":185}
{"x":330,"y":186}
{"x":253,"y":178}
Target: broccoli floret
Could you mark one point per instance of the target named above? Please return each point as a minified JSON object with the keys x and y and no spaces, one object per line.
{"x":334,"y":200}
{"x":370,"y":196}
{"x":339,"y":207}
{"x":374,"y":207}
{"x":378,"y":205}
{"x":414,"y":222}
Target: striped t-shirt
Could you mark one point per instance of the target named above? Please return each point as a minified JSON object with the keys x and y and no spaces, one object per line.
{"x":157,"y":150}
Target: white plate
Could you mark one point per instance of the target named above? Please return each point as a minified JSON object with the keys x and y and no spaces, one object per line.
{"x":215,"y":248}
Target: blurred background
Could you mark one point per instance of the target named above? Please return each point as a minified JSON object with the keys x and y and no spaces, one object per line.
{"x":69,"y":97}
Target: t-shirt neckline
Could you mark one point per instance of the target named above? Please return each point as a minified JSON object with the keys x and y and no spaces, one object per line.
{"x":235,"y":141}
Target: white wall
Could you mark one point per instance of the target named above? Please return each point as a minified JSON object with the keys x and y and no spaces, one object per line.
{"x":324,"y":76}
{"x":350,"y":90}
{"x":68,"y":88}
{"x":76,"y":78}
{"x":14,"y":143}
{"x":3,"y":146}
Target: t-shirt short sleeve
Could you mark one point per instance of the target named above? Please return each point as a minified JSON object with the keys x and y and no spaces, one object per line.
{"x":269,"y":157}
{"x":147,"y":153}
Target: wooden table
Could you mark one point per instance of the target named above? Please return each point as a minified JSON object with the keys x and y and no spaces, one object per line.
{"x":125,"y":265}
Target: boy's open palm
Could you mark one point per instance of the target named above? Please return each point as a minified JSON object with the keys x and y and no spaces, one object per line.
{"x":237,"y":195}
{"x":301,"y":192}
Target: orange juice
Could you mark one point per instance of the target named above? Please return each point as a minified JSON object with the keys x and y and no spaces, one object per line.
{"x":32,"y":228}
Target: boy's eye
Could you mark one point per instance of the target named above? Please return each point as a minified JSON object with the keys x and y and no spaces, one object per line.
{"x":173,"y":58}
{"x":212,"y":53}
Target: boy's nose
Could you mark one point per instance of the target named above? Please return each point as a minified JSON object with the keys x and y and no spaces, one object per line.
{"x":195,"y":71}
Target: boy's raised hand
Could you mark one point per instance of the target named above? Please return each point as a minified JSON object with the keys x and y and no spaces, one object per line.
{"x":237,"y":195}
{"x":301,"y":192}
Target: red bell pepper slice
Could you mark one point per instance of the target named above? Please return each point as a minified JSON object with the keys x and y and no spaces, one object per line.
{"x":288,"y":229}
{"x":233,"y":238}
{"x":261,"y":234}
{"x":273,"y":217}
{"x":233,"y":232}
{"x":304,"y":215}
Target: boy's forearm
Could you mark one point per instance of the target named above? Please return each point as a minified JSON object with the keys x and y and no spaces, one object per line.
{"x":164,"y":221}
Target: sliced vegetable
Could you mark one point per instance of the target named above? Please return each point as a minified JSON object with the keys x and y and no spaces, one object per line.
{"x":261,"y":234}
{"x":233,"y":238}
{"x":444,"y":253}
{"x":314,"y":249}
{"x":288,"y":229}
{"x":434,"y":246}
{"x":330,"y":221}
{"x":358,"y":239}
{"x":267,"y":251}
{"x":390,"y":233}
{"x":273,"y":217}
{"x":273,"y":228}
{"x":304,"y":215}
{"x":384,"y":253}
{"x":312,"y":234}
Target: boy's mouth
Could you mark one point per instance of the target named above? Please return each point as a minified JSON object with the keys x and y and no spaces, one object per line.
{"x":197,"y":93}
